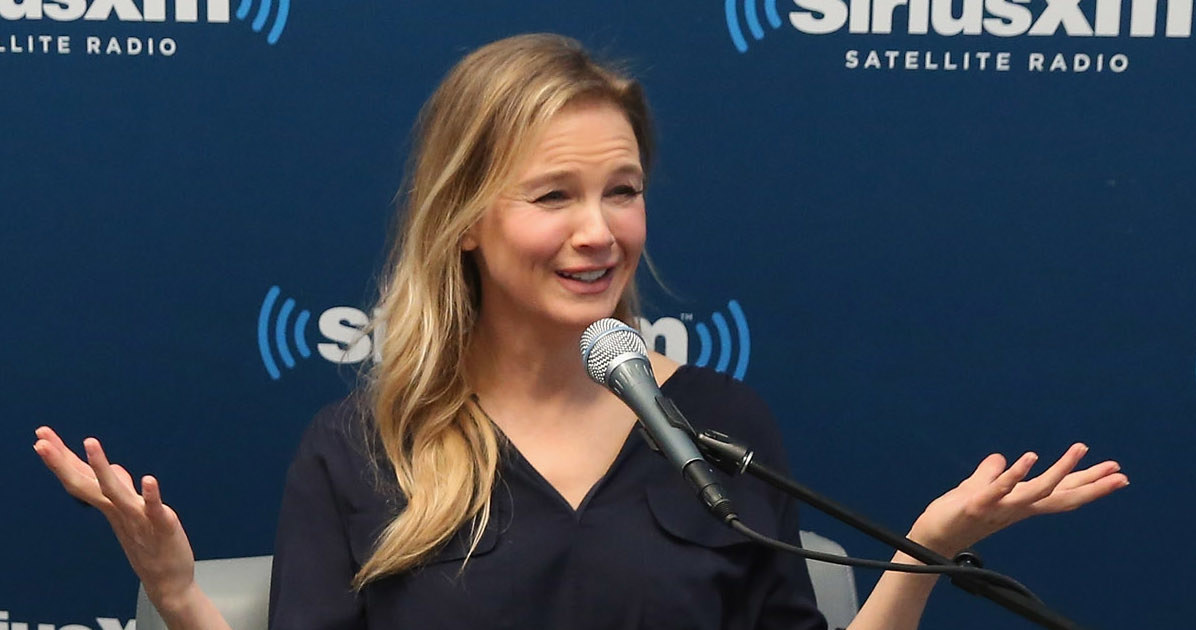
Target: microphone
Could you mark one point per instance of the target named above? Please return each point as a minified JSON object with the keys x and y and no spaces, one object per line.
{"x":615,"y":356}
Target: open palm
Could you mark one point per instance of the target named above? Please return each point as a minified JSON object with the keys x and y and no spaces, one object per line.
{"x":148,"y":530}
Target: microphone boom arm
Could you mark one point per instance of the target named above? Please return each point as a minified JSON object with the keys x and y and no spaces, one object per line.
{"x":735,"y":459}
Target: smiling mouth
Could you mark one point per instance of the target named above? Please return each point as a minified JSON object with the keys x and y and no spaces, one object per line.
{"x":586,"y":276}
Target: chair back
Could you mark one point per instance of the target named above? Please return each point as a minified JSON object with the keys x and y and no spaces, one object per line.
{"x":240,"y":588}
{"x":834,"y":584}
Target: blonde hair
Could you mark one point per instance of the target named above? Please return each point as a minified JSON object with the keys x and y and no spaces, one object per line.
{"x":470,"y":137}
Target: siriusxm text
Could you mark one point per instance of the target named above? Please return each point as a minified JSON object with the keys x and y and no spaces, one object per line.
{"x":105,"y":623}
{"x":122,"y":10}
{"x":344,"y":327}
{"x":1002,"y":18}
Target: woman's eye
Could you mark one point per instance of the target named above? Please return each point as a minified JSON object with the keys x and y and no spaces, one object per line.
{"x":625,"y":191}
{"x":555,"y":197}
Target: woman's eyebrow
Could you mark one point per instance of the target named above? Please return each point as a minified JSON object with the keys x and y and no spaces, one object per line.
{"x":551,"y":177}
{"x":559,"y":176}
{"x":630,"y":168}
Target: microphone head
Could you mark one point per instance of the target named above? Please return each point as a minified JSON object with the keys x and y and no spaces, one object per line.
{"x":606,"y":339}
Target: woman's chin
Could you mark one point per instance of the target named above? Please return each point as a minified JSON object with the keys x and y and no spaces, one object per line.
{"x":579,"y":318}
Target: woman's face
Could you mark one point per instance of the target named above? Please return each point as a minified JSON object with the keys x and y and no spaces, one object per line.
{"x":561,"y":243}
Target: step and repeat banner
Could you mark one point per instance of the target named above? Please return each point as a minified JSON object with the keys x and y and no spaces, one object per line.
{"x":924,"y":230}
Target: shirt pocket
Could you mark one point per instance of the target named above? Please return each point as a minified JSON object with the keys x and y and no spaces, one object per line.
{"x":682,"y":515}
{"x":709,"y":568}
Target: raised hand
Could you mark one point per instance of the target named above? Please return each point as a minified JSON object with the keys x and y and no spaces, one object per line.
{"x":148,"y":530}
{"x":994,"y":497}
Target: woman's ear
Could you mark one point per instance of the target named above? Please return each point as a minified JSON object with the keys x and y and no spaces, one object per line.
{"x":468,"y":242}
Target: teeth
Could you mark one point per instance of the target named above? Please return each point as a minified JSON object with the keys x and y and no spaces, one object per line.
{"x":586,"y":276}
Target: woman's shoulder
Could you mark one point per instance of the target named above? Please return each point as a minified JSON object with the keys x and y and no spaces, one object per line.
{"x":713,"y":390}
{"x":720,"y":402}
{"x":343,"y":424}
{"x":340,"y":444}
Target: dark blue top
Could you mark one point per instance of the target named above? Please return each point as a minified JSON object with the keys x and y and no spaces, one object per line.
{"x":639,"y":552}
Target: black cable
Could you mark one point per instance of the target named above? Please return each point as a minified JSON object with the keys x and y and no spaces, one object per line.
{"x":992,"y":577}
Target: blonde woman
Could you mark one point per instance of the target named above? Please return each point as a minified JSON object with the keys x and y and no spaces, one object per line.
{"x":480,"y":479}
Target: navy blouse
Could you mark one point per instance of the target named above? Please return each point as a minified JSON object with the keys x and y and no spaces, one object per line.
{"x":639,"y":552}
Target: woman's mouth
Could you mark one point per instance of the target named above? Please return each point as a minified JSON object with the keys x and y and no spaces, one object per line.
{"x":586,"y":276}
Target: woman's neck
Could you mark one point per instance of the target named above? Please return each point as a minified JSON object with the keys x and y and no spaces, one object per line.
{"x":517,"y":362}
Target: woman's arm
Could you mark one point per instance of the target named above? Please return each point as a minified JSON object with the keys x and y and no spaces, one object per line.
{"x":991,"y":499}
{"x":148,"y":530}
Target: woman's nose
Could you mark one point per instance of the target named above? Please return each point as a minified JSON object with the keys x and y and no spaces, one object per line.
{"x":592,"y":229}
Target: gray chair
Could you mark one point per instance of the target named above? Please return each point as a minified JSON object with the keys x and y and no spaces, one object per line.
{"x":240,"y":588}
{"x":834,"y":584}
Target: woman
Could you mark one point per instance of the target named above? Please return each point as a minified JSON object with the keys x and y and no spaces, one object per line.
{"x":480,"y":479}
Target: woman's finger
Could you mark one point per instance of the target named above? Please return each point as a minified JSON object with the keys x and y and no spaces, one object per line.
{"x":68,"y":456}
{"x":81,"y":486}
{"x":989,"y":469}
{"x":1000,"y":487}
{"x":1063,"y":501}
{"x":1088,"y":475}
{"x":158,"y":515}
{"x":1044,"y":484}
{"x":122,"y":496}
{"x":123,"y":476}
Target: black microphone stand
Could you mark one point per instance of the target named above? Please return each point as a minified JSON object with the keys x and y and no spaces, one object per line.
{"x":736,"y":459}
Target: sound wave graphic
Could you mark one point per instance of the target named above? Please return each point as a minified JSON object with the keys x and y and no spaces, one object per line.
{"x":263,"y":11}
{"x":752,"y":17}
{"x":298,"y":333}
{"x":725,"y":345}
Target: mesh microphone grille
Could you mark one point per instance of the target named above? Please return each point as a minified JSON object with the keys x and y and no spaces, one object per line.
{"x":606,"y":339}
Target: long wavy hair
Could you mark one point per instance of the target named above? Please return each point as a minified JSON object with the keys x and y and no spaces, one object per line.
{"x":471,"y":136}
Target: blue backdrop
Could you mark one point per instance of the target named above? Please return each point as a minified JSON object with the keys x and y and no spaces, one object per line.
{"x":926,"y":264}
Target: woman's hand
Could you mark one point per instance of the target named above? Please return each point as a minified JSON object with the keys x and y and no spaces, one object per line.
{"x":148,"y":530}
{"x":995,"y":497}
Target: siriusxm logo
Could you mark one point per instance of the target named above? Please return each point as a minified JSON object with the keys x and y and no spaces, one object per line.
{"x":1002,"y":18}
{"x":752,"y":17}
{"x":105,"y":623}
{"x":670,"y":337}
{"x":282,"y":336}
{"x":217,"y":12}
{"x":262,"y":14}
{"x":342,"y":326}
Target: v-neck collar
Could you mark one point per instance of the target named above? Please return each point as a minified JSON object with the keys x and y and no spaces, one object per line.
{"x":630,"y":442}
{"x":516,"y":458}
